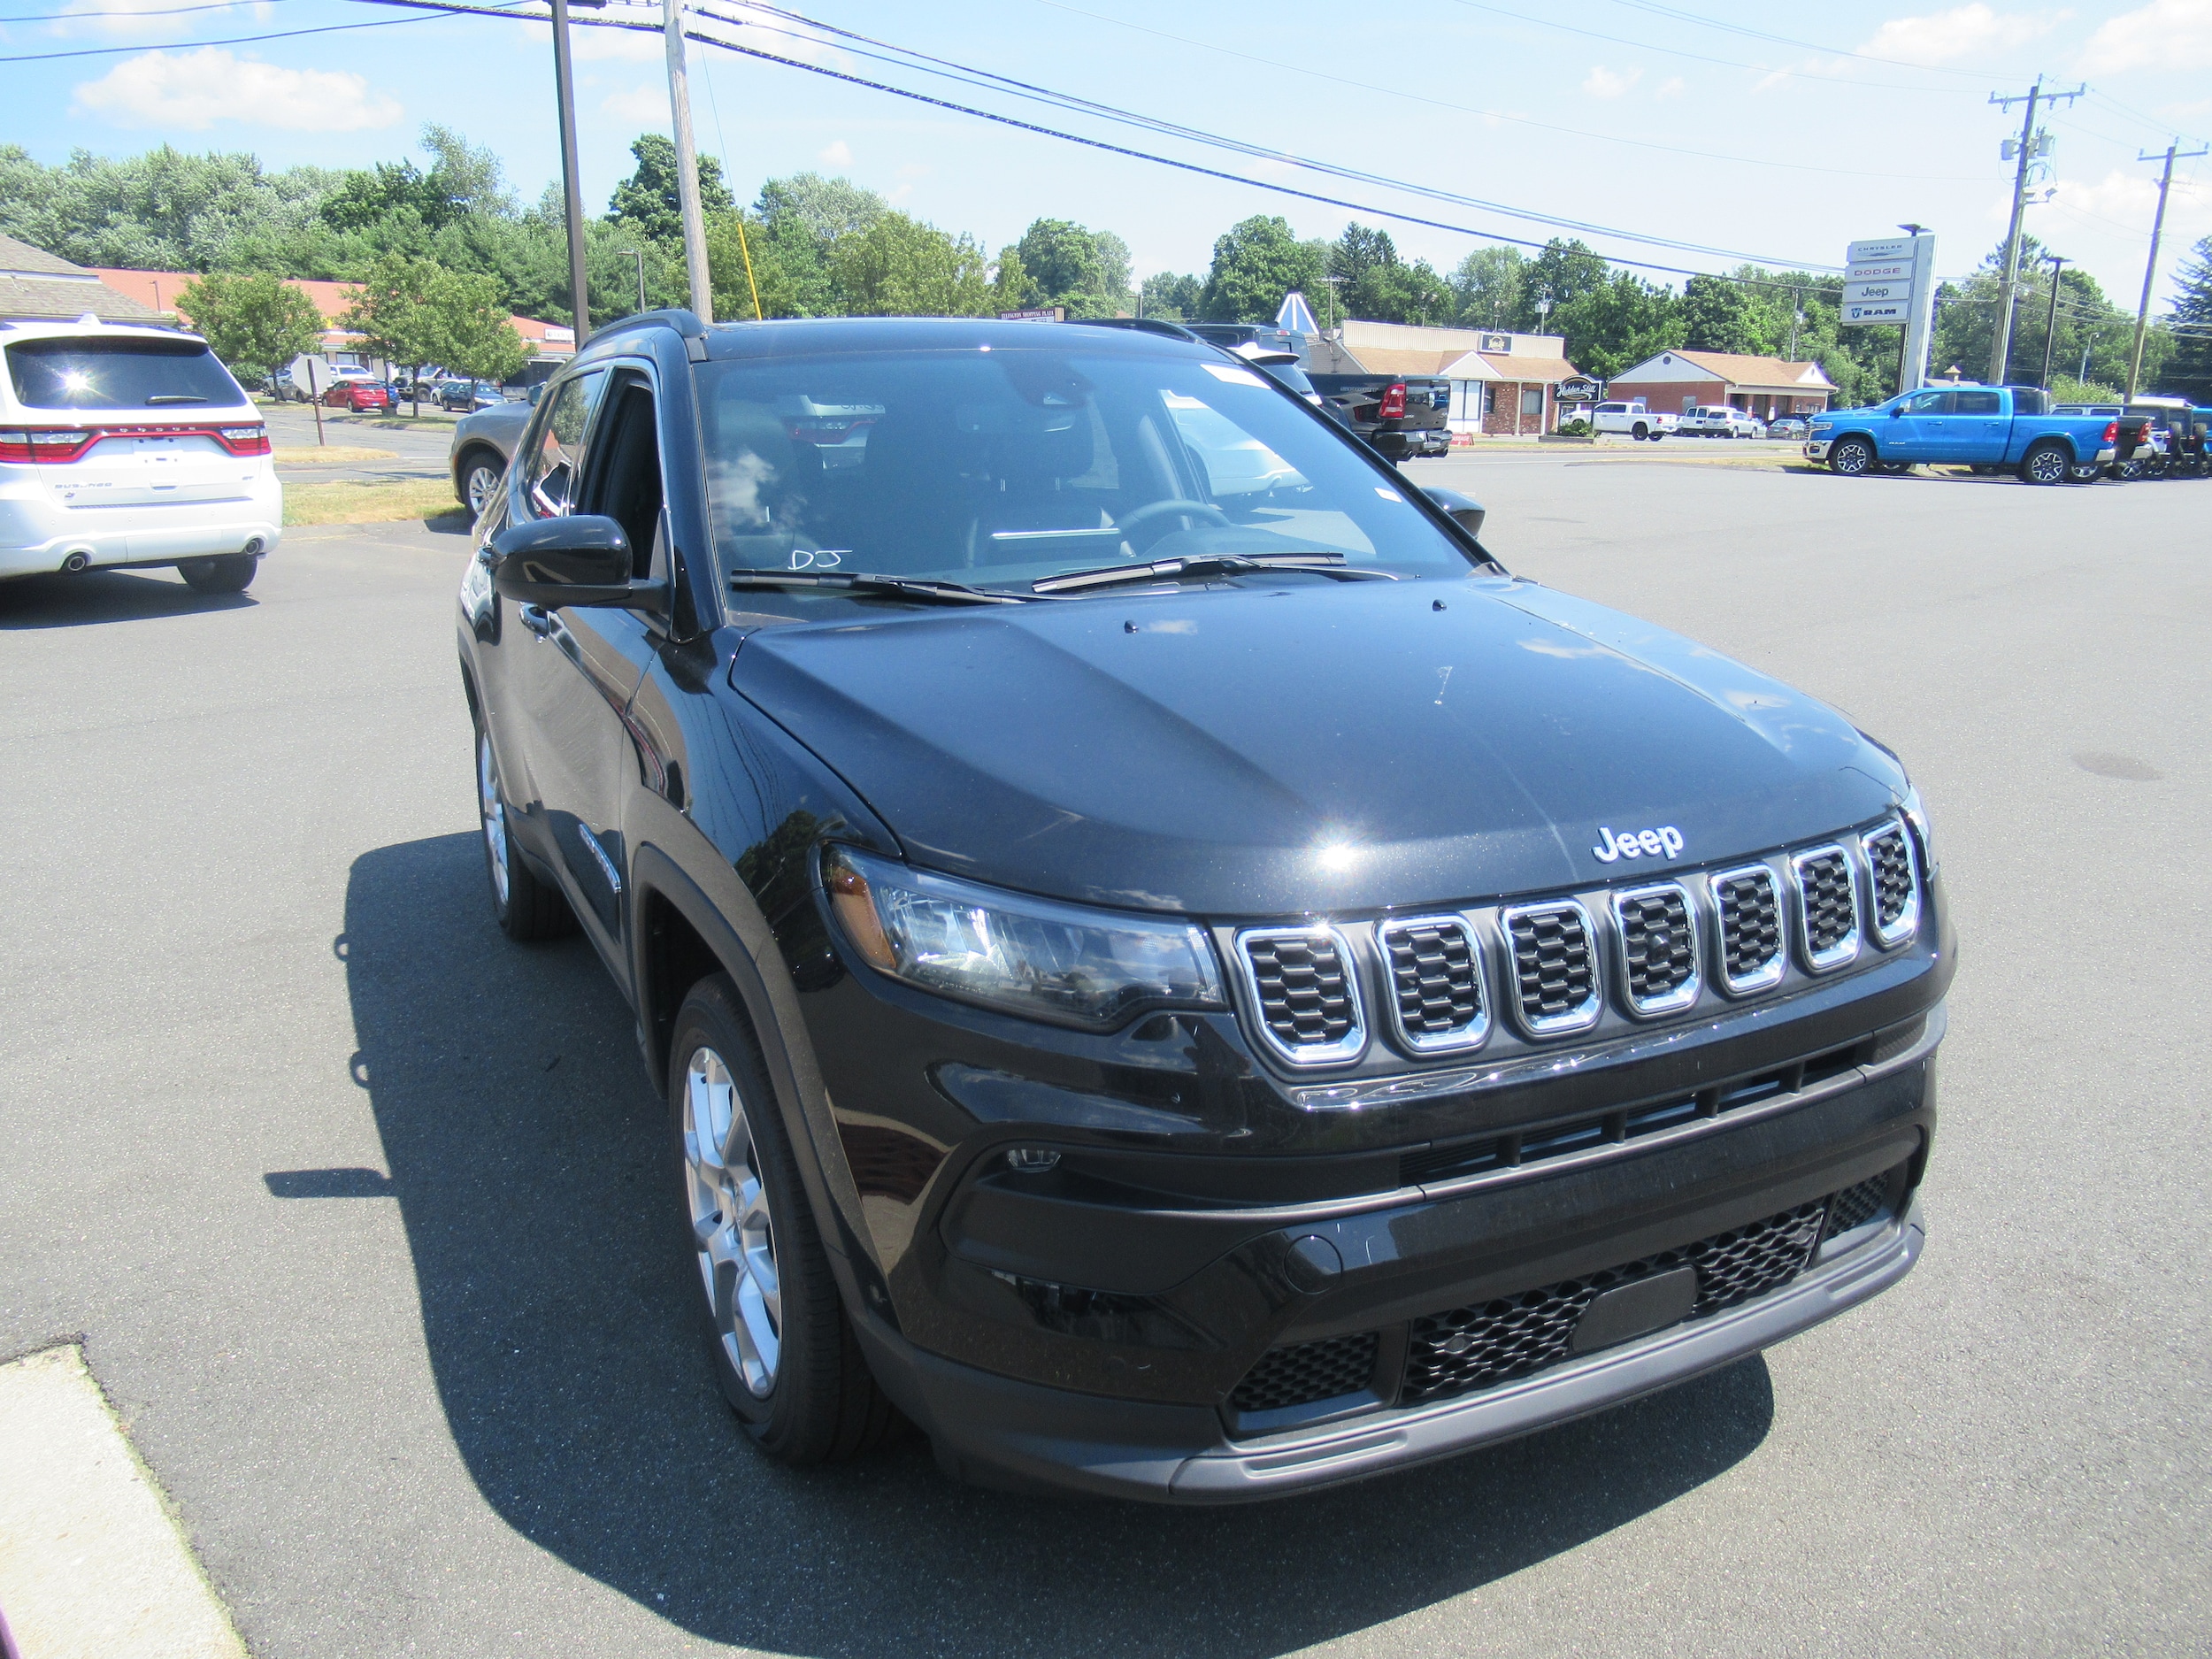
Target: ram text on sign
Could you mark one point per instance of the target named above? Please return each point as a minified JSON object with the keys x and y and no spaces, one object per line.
{"x":1873,"y":311}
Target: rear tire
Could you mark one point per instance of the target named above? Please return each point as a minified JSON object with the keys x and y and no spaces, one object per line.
{"x":232,"y":573}
{"x":478,"y":480}
{"x":528,"y":908}
{"x":784,"y":1351}
{"x":1851,"y":457}
{"x":2045,"y":463}
{"x":1640,"y":432}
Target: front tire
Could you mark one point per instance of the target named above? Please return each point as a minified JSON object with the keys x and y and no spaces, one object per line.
{"x":2045,"y":463}
{"x":784,"y":1350}
{"x":528,"y":908}
{"x":1851,"y":457}
{"x":481,"y":474}
{"x":232,"y":573}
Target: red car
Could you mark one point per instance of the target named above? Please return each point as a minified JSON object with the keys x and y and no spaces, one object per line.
{"x":360,"y":396}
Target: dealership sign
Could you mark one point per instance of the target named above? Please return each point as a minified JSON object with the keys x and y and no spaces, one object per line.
{"x":1890,"y":280}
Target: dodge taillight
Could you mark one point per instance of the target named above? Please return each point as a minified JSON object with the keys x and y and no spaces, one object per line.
{"x":45,"y":444}
{"x":2112,"y":432}
{"x":1394,"y":402}
{"x":243,"y":440}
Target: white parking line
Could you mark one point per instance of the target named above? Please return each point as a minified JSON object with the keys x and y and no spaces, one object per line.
{"x":90,"y":1562}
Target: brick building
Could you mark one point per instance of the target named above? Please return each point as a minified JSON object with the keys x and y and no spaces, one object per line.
{"x":1503,"y":384}
{"x":1677,"y":380}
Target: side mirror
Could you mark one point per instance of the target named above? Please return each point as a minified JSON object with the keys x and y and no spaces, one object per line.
{"x":1464,"y":511}
{"x":579,"y":560}
{"x":1896,"y":411}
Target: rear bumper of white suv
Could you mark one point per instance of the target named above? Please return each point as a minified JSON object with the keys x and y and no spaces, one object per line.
{"x":37,"y":533}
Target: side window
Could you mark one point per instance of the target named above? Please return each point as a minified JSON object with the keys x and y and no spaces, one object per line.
{"x":1976,"y":404}
{"x":623,"y":476}
{"x":558,"y":449}
{"x":1929,"y":403}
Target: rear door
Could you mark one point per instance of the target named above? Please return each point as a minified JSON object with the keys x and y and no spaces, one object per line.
{"x":1978,"y":426}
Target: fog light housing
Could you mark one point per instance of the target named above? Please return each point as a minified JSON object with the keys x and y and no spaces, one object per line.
{"x":1032,"y":1160}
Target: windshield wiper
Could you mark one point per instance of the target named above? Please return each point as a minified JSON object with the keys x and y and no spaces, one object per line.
{"x":855,"y":581}
{"x":1329,"y":564}
{"x":175,"y":398}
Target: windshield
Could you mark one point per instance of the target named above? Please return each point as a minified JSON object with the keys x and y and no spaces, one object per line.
{"x":1000,"y":467}
{"x":129,"y":373}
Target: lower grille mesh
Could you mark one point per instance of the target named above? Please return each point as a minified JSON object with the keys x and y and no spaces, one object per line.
{"x":1307,"y":1372}
{"x":1465,"y":1348}
{"x":1855,"y":1206}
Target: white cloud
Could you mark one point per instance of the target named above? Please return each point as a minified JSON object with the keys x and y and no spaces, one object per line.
{"x":648,"y":103}
{"x":195,"y":90}
{"x":120,"y":17}
{"x":1672,"y":86}
{"x":839,"y":154}
{"x":1610,"y":83}
{"x":1942,"y":37}
{"x":2167,"y":33}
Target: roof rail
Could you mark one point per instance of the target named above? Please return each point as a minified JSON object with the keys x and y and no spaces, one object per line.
{"x":684,"y":322}
{"x":1149,"y":325}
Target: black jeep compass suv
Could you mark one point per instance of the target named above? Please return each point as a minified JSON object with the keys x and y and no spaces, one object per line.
{"x":1170,"y":968}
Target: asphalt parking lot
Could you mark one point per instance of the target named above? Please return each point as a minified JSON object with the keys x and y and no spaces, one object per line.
{"x":359,"y":1212}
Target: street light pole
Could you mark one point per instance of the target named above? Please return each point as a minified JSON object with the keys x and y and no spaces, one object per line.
{"x":632,"y":253}
{"x":565,"y":90}
{"x":2050,"y":328}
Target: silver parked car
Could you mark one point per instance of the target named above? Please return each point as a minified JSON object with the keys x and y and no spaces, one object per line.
{"x":483,"y":443}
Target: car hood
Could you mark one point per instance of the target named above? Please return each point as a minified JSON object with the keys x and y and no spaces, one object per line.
{"x":1251,"y":750}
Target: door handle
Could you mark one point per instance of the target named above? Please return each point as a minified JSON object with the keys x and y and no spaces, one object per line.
{"x":537,"y":618}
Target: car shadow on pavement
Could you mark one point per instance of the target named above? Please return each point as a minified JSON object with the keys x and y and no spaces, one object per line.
{"x":63,"y":601}
{"x":525,"y":1147}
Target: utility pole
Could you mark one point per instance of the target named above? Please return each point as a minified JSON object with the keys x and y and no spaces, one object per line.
{"x":2150,"y":269}
{"x":632,"y":253}
{"x":2029,"y":147}
{"x":688,"y":166}
{"x":1797,"y":317}
{"x":2050,"y":328}
{"x":565,"y":90}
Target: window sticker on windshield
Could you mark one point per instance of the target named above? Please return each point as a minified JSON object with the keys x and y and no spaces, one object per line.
{"x":1390,"y":494}
{"x":1232,"y":375}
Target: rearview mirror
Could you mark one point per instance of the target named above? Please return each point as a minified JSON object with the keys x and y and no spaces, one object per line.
{"x":1464,"y":511}
{"x":582,"y":559}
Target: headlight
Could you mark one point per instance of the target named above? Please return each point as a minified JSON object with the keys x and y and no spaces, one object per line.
{"x":1049,"y":961}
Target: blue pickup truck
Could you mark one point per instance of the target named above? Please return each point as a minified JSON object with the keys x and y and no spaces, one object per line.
{"x":1990,"y":428}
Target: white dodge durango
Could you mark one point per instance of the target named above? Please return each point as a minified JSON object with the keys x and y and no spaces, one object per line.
{"x":134,"y":447}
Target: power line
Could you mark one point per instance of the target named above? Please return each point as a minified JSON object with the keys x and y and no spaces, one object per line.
{"x":1675,"y":14}
{"x":1500,"y":115}
{"x":166,"y":11}
{"x":971,"y":76}
{"x":235,"y":39}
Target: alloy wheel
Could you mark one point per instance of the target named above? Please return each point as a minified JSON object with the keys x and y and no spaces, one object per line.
{"x":479,"y":484}
{"x":731,"y":1228}
{"x":494,"y":813}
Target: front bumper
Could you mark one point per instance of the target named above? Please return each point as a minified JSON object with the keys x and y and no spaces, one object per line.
{"x":1816,"y":449}
{"x":1002,"y":1432}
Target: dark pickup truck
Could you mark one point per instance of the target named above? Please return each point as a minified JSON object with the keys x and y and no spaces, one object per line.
{"x":1404,"y":418}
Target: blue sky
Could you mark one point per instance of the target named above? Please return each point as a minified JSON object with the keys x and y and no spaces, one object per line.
{"x":1866,"y":117}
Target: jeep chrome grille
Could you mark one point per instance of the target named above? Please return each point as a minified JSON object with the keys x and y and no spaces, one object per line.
{"x":1827,"y":908}
{"x":1436,"y":993}
{"x":1896,"y":885}
{"x":1752,"y":956}
{"x":1658,"y":948}
{"x":1554,"y":969}
{"x":1303,"y":985}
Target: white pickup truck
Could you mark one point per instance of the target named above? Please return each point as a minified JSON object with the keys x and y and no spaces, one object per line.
{"x":1633,"y":419}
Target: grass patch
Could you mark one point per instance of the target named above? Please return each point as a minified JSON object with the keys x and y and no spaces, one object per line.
{"x":329,"y":455}
{"x":347,"y":501}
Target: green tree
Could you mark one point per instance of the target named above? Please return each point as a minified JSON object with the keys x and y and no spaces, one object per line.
{"x":255,"y":324}
{"x":162,"y":211}
{"x":902,"y":267}
{"x":650,"y":200}
{"x":1618,"y":324}
{"x":396,"y":313}
{"x":825,"y":209}
{"x":1176,"y":298}
{"x":1487,"y":286}
{"x":1718,"y":315}
{"x":2189,"y":370}
{"x":1255,"y":263}
{"x":473,"y":334}
{"x":1070,"y":265}
{"x":1010,"y":285}
{"x":1560,"y":274}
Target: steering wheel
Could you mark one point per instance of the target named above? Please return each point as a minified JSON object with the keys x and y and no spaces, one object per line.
{"x":1160,"y":509}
